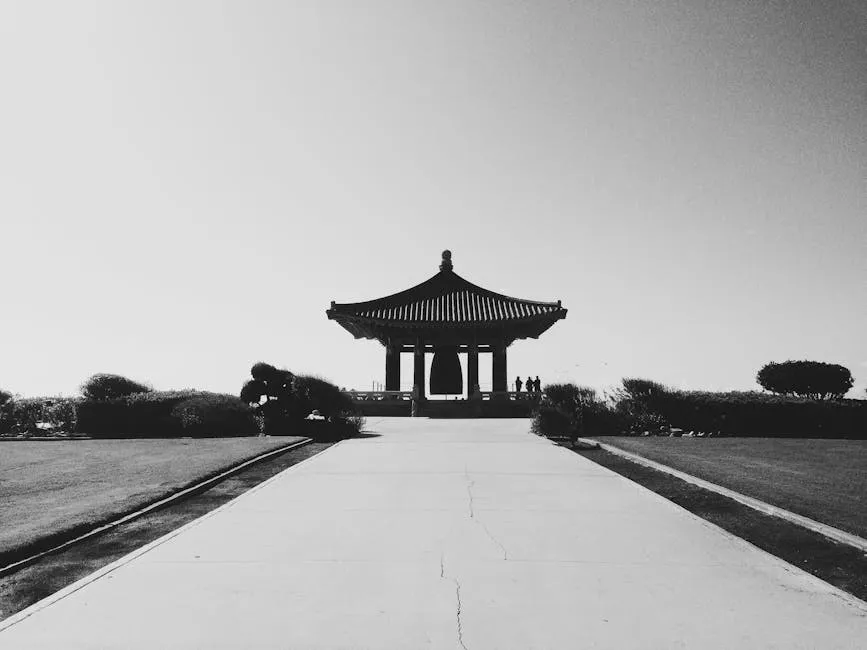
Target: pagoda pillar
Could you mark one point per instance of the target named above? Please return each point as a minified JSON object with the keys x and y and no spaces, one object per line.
{"x":472,"y":369}
{"x":498,"y":367}
{"x":392,"y":366}
{"x":418,"y":370}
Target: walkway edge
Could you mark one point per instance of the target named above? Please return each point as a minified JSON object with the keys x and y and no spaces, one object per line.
{"x":126,"y":559}
{"x":756,"y":504}
{"x":167,"y":501}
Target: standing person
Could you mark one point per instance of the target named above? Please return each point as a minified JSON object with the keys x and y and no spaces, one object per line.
{"x":537,"y":385}
{"x":519,"y":383}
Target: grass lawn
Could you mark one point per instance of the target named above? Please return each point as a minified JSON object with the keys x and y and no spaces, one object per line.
{"x":825,"y":480}
{"x":57,"y":570}
{"x":53,"y":489}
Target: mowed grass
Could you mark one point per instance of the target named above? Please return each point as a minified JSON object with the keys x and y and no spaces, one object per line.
{"x":53,"y":489}
{"x":825,"y":480}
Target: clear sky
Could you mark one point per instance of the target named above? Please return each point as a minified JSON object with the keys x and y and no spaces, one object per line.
{"x":187,"y":185}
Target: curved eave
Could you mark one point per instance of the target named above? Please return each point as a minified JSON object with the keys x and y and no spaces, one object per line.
{"x":374,"y":328}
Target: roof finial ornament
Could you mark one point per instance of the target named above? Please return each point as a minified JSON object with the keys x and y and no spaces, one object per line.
{"x":446,"y":264}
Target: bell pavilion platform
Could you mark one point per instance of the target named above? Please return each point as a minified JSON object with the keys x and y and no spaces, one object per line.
{"x":485,"y":404}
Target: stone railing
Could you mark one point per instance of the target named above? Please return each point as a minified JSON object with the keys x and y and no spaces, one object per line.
{"x":379,"y":395}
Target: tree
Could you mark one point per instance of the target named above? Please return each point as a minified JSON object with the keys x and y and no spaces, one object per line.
{"x":278,"y":388}
{"x":813,"y":379}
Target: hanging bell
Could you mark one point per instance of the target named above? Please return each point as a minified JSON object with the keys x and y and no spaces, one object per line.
{"x":446,"y":377}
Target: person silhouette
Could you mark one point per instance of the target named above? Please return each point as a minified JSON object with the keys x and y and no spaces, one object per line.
{"x":537,"y":385}
{"x":519,"y":383}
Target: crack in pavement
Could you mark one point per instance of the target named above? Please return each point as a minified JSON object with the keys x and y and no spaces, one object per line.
{"x":493,"y":539}
{"x":470,"y":484}
{"x":458,"y":620}
{"x":460,"y":623}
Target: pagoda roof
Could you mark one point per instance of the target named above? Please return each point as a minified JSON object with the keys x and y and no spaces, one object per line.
{"x":446,"y":300}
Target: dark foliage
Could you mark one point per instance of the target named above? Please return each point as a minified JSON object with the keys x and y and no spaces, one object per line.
{"x":574,"y":411}
{"x":814,"y":379}
{"x":166,"y":414}
{"x":317,"y":394}
{"x":215,"y":415}
{"x":253,"y":391}
{"x":289,"y":399}
{"x":759,"y":414}
{"x":642,"y":390}
{"x":106,"y":386}
{"x":38,"y":415}
{"x":5,"y":396}
{"x":634,"y":406}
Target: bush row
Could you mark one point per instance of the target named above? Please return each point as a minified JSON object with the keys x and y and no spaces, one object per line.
{"x":34,"y":415}
{"x":759,"y":414}
{"x":164,"y":414}
{"x":643,"y":407}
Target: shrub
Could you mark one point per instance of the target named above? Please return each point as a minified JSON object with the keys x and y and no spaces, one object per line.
{"x":290,"y":398}
{"x":105,"y":386}
{"x":813,"y":379}
{"x":263,"y":371}
{"x":215,"y":415}
{"x":5,"y":396}
{"x":253,"y":391}
{"x":165,"y":414}
{"x":38,"y":415}
{"x":759,"y":414}
{"x":635,"y":404}
{"x":574,"y":411}
{"x":317,"y":394}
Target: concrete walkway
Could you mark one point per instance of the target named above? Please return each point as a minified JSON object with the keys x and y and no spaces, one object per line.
{"x":446,"y":534}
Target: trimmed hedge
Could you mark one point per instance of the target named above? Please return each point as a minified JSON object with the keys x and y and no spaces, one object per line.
{"x":316,"y":394}
{"x":38,"y":415}
{"x":759,"y":414}
{"x":167,"y":414}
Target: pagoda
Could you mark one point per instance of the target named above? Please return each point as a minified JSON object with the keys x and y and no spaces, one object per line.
{"x":446,"y":315}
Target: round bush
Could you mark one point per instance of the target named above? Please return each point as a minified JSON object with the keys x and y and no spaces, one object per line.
{"x":104,"y":386}
{"x":814,"y":379}
{"x":314,"y":393}
{"x":215,"y":415}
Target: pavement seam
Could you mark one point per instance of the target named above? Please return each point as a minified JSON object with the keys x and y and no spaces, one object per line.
{"x":756,"y":504}
{"x":126,"y":559}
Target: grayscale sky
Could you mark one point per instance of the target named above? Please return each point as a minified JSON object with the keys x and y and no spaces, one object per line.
{"x":187,"y":185}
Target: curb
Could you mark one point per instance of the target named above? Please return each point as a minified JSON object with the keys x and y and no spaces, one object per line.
{"x":830,"y":532}
{"x":167,"y":501}
{"x":49,"y":600}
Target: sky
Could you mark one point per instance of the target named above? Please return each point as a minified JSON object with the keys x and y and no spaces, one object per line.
{"x":187,"y":185}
